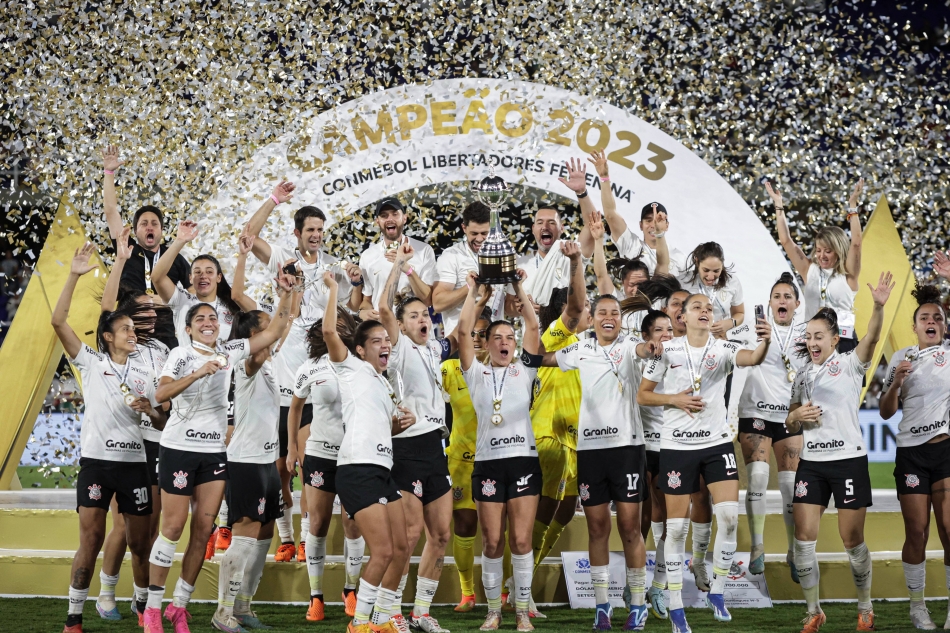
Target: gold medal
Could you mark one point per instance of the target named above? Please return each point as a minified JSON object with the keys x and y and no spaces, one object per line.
{"x":149,"y":291}
{"x":496,"y":419}
{"x":222,"y":359}
{"x":129,"y":399}
{"x":697,"y":383}
{"x":446,"y":397}
{"x":124,"y":388}
{"x":791,"y":375}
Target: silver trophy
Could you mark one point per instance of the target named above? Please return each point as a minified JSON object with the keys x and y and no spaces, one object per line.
{"x":496,"y":257}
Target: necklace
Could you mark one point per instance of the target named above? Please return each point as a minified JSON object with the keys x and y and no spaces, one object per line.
{"x":123,"y":385}
{"x":610,"y":362}
{"x":696,"y":374}
{"x":497,"y":394}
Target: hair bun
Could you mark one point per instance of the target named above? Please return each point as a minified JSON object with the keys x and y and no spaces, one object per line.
{"x":828,"y":315}
{"x":926,"y":293}
{"x":786,"y":278}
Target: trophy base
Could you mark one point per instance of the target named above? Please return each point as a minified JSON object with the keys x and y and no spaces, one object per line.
{"x":497,"y":274}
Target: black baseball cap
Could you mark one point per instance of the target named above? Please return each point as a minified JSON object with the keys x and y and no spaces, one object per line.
{"x":388,"y":203}
{"x":651,"y":208}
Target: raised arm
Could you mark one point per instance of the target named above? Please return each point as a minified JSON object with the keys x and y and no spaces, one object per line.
{"x":577,"y":291}
{"x":576,"y":181}
{"x":110,"y":294}
{"x":278,"y":323}
{"x":80,"y":266}
{"x":467,"y":320}
{"x":110,"y":204}
{"x":880,"y":294}
{"x":614,"y":220}
{"x":335,"y":345}
{"x":187,"y":231}
{"x":853,"y":263}
{"x":605,"y":283}
{"x":386,"y":315}
{"x":662,"y":224}
{"x":283,"y":192}
{"x":531,"y":335}
{"x":795,"y":254}
{"x":245,"y":244}
{"x":750,"y":357}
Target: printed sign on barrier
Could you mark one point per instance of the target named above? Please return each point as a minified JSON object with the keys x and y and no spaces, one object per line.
{"x":742,"y":588}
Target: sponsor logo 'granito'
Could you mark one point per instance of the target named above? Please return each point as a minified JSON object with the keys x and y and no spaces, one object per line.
{"x":506,"y":441}
{"x":822,"y":445}
{"x":610,"y":430}
{"x":688,"y":435}
{"x":768,"y":406}
{"x":384,"y":449}
{"x":927,"y":428}
{"x":202,"y":435}
{"x":331,"y":447}
{"x":270,"y":446}
{"x":129,"y":446}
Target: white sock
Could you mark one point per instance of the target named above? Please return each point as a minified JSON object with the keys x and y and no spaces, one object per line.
{"x":659,"y":571}
{"x":354,"y":548}
{"x":107,"y":590}
{"x":231,"y":572}
{"x":491,"y":581}
{"x":861,"y":571}
{"x":383,"y":608}
{"x":786,"y":485}
{"x":365,"y":601}
{"x":252,"y":576}
{"x":522,"y":566}
{"x":316,"y":555}
{"x":675,"y":551}
{"x":916,"y":577}
{"x":139,"y":594}
{"x":425,"y":592}
{"x":806,"y":562}
{"x":701,"y":534}
{"x":285,"y":527}
{"x":600,"y":579}
{"x":223,"y":514}
{"x":727,"y":516}
{"x":304,"y":525}
{"x":77,"y":599}
{"x":397,"y":603}
{"x":182,"y":594}
{"x":155,"y":596}
{"x":755,"y":504}
{"x":637,"y":583}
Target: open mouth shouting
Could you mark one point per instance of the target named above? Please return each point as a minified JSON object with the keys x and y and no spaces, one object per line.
{"x":546,"y":239}
{"x":931,"y":333}
{"x":150,"y":239}
{"x":391,"y":229}
{"x":814,"y":353}
{"x":704,"y":319}
{"x":782,"y":313}
{"x":384,"y":358}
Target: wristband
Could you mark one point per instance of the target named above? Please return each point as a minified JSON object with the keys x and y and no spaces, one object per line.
{"x":779,"y":209}
{"x":850,"y":215}
{"x":274,"y":198}
{"x":605,"y":179}
{"x":583,"y":195}
{"x":410,"y":271}
{"x":108,"y":172}
{"x":660,"y":234}
{"x":734,"y":324}
{"x":357,"y":284}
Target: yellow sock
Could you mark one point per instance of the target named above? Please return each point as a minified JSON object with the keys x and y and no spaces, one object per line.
{"x":537,"y":536}
{"x":464,"y":552}
{"x":551,"y":536}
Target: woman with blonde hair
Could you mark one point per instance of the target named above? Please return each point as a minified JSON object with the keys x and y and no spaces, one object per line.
{"x":830,"y":274}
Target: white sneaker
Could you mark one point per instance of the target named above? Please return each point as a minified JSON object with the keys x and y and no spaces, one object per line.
{"x":920,"y":617}
{"x":700,"y":573}
{"x":533,"y":609}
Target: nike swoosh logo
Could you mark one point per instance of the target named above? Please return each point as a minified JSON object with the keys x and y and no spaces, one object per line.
{"x":142,"y":508}
{"x":319,"y":382}
{"x":675,"y":366}
{"x":461,"y":388}
{"x":731,"y":472}
{"x":523,"y":489}
{"x":848,"y":500}
{"x":632,"y":494}
{"x":105,"y":373}
{"x":218,"y":472}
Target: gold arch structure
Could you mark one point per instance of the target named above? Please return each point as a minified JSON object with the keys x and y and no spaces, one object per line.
{"x":31,"y":350}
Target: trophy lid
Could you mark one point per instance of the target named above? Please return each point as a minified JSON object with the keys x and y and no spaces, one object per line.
{"x":491,"y":190}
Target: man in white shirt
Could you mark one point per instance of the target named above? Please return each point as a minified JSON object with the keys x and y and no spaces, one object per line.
{"x":453,"y":266}
{"x":631,"y":246}
{"x":377,"y":260}
{"x":547,"y":229}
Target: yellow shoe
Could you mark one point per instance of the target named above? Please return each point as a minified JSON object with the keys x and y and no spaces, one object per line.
{"x":813,"y":622}
{"x":349,"y":602}
{"x":866,"y":620}
{"x":315,"y":610}
{"x":285,"y":553}
{"x":359,"y":628}
{"x":466,"y":604}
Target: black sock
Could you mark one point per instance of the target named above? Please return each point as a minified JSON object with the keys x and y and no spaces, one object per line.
{"x":141,"y":605}
{"x":347,"y":592}
{"x":73,"y":619}
{"x":316,"y":595}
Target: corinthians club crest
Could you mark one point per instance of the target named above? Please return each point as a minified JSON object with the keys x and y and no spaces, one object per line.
{"x":912,"y":481}
{"x":95,"y":492}
{"x":488,"y":488}
{"x":673,"y":480}
{"x":801,"y":489}
{"x":585,"y":493}
{"x":316,"y":480}
{"x":181,"y":479}
{"x":417,"y":488}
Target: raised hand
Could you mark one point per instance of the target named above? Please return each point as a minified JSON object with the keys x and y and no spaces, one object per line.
{"x":596,"y":225}
{"x":599,"y":161}
{"x":661,"y":223}
{"x":353,"y":271}
{"x":284,"y":191}
{"x":856,"y":194}
{"x":110,"y":158}
{"x":883,"y":289}
{"x":187,"y":231}
{"x":404,"y":252}
{"x":81,"y":264}
{"x":471,"y":280}
{"x":330,"y":279}
{"x":571,"y":249}
{"x":576,"y":176}
{"x":941,"y":264}
{"x":245,"y":241}
{"x":775,"y":195}
{"x":123,"y":250}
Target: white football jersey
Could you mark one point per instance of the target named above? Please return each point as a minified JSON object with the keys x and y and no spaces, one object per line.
{"x":651,"y":417}
{"x":256,"y":415}
{"x":610,"y":376}
{"x":419,"y":368}
{"x":722,"y":299}
{"x":376,"y":268}
{"x":630,"y":246}
{"x":835,"y":386}
{"x":925,"y":393}
{"x":110,"y":428}
{"x":182,"y":301}
{"x":152,"y":359}
{"x":710,"y":426}
{"x":295,"y":351}
{"x":198,"y":419}
{"x":513,"y":437}
{"x":767,"y":388}
{"x":317,"y":384}
{"x":368,"y":409}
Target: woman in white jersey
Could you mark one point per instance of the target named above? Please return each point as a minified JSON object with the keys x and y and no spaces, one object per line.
{"x":762,"y":411}
{"x":918,"y":380}
{"x":831,"y":272}
{"x":148,"y":314}
{"x":696,"y":442}
{"x":826,"y":396}
{"x":117,"y":392}
{"x":316,"y":386}
{"x":254,"y":496}
{"x":506,"y":480}
{"x":706,"y":273}
{"x":611,"y":459}
{"x":207,"y":281}
{"x":420,"y":468}
{"x":192,"y":460}
{"x":372,"y":414}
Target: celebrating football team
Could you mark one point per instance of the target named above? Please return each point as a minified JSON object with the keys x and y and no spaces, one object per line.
{"x":533,"y":402}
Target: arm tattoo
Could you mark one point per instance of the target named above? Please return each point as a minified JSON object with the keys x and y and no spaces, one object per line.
{"x":392,"y":284}
{"x":572,"y":324}
{"x":570,"y":286}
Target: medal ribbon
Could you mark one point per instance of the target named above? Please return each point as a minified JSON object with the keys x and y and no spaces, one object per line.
{"x":810,"y":390}
{"x":498,"y":393}
{"x":149,"y":289}
{"x":427,"y":359}
{"x":125,"y":376}
{"x":696,"y":375}
{"x":610,"y":361}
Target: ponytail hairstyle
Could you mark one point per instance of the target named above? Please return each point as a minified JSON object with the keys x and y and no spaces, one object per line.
{"x":345,"y":327}
{"x":925,"y":294}
{"x":147,"y":318}
{"x":660,"y":288}
{"x":224,"y":288}
{"x":830,"y":318}
{"x":637,"y":303}
{"x":650,"y":320}
{"x":107,"y":321}
{"x":837,"y":240}
{"x":109,"y":318}
{"x":705,"y":251}
{"x":623,"y":267}
{"x":786,"y":279}
{"x":244,"y":324}
{"x":550,"y":313}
